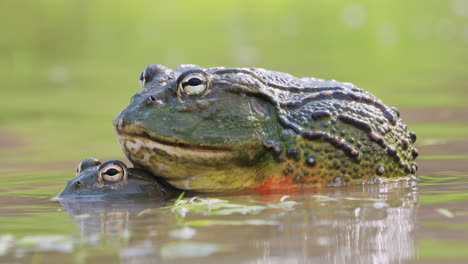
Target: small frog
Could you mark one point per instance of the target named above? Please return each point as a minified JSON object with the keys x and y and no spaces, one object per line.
{"x":111,"y":179}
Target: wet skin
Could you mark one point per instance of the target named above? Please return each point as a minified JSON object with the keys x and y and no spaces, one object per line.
{"x":231,"y":129}
{"x":111,"y":179}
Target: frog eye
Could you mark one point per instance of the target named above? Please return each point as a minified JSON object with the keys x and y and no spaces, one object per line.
{"x":87,"y":163}
{"x":113,"y":171}
{"x":193,"y":83}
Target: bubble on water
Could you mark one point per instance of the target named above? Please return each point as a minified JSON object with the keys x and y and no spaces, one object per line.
{"x":387,"y":34}
{"x":460,"y":7}
{"x":354,"y":15}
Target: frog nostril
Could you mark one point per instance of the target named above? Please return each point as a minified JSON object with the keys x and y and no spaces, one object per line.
{"x":78,"y":184}
{"x":152,"y":99}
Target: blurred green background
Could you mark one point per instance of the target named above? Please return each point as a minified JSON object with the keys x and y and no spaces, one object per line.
{"x":68,"y":67}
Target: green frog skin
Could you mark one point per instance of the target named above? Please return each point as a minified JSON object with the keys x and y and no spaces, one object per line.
{"x":230,"y":129}
{"x":111,"y":179}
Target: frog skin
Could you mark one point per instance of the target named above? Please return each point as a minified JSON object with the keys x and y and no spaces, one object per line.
{"x":111,"y":179}
{"x":231,"y":129}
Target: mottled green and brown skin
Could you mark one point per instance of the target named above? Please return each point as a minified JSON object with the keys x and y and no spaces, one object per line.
{"x":229,"y":129}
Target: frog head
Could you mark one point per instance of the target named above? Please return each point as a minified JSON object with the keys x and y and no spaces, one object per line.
{"x":111,"y":179}
{"x":199,"y":129}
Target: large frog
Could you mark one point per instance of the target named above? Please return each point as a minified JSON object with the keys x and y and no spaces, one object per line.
{"x":230,"y":129}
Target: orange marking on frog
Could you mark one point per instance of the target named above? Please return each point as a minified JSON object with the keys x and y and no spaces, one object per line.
{"x":278,"y":184}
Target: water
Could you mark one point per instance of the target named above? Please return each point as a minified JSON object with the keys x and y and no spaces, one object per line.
{"x":406,"y":221}
{"x":68,"y":67}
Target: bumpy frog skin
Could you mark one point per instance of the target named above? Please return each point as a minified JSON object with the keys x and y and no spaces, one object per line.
{"x":111,"y":179}
{"x":228,"y":129}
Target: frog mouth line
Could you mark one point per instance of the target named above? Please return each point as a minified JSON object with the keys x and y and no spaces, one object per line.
{"x":166,"y":145}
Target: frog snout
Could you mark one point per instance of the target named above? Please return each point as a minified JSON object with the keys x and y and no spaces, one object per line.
{"x":120,"y":121}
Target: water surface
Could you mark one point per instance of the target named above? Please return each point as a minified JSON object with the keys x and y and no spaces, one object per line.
{"x":405,"y":221}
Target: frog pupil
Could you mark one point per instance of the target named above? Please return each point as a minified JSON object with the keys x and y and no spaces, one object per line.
{"x":194,"y":82}
{"x":111,"y":172}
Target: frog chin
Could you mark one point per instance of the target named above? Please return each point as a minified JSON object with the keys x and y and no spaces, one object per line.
{"x":188,"y":167}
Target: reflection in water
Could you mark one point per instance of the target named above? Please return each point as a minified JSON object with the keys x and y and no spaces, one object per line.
{"x":379,"y":232}
{"x":110,"y":221}
{"x":359,"y":224}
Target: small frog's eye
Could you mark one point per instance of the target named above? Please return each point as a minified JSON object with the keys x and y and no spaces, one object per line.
{"x":87,"y":163}
{"x":193,"y":83}
{"x":113,"y":171}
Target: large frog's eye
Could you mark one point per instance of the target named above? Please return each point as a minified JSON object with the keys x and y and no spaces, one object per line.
{"x":192,"y":83}
{"x":113,"y":171}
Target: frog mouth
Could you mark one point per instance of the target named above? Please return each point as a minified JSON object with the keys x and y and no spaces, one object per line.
{"x":134,"y":142}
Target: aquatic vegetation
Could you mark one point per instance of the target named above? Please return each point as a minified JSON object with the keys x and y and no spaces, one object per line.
{"x":208,"y":207}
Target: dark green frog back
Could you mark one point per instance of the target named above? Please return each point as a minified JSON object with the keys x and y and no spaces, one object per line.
{"x":332,"y":131}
